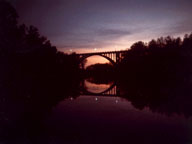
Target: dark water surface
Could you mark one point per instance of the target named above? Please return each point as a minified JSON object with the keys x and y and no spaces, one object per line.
{"x":112,"y":119}
{"x":98,"y":119}
{"x":93,"y":119}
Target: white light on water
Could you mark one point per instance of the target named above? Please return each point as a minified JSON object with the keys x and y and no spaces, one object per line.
{"x":96,"y":99}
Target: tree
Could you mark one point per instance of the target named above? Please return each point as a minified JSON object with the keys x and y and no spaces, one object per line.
{"x":8,"y":26}
{"x":138,"y":46}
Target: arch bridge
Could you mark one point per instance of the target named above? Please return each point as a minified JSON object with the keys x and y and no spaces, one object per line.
{"x":113,"y":56}
{"x":113,"y":90}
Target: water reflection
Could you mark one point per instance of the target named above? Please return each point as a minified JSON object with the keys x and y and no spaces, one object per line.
{"x":87,"y":120}
{"x":93,"y":119}
{"x":103,"y":119}
{"x":95,"y":88}
{"x":90,"y":88}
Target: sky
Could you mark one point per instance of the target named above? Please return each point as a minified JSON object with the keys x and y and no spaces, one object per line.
{"x":102,"y":25}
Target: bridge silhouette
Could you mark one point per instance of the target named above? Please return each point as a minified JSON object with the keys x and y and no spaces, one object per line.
{"x":113,"y":56}
{"x":113,"y":90}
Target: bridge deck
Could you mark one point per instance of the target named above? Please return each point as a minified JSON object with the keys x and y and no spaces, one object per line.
{"x":107,"y":52}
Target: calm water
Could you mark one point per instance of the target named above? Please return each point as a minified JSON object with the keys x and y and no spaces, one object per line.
{"x":105,"y":119}
{"x":95,"y":119}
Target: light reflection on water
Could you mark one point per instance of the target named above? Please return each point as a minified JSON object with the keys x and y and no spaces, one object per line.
{"x":108,"y":119}
{"x":98,"y":119}
{"x":96,"y":88}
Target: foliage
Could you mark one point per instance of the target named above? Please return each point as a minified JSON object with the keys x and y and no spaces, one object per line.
{"x":159,"y":73}
{"x":100,"y":73}
{"x":34,"y":76}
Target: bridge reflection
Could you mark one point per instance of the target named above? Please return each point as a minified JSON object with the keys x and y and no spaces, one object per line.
{"x":113,"y":90}
{"x":112,"y":56}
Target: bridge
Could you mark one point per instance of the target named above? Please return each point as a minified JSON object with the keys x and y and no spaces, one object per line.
{"x":113,"y":56}
{"x":113,"y":90}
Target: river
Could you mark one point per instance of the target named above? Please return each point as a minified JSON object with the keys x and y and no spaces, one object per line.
{"x":96,"y":118}
{"x":111,"y":119}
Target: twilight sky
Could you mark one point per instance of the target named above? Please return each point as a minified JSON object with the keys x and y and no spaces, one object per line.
{"x":100,"y":25}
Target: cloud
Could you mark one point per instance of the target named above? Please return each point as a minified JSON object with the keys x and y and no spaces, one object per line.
{"x":102,"y":23}
{"x":113,"y":32}
{"x":90,"y":38}
{"x":178,"y":28}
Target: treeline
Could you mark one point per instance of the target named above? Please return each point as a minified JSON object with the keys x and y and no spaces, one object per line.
{"x":34,"y":75}
{"x":28,"y":61}
{"x":158,"y":75}
{"x":100,"y":73}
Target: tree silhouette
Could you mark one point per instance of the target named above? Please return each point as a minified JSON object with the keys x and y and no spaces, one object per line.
{"x":34,"y":75}
{"x":8,"y":26}
{"x":158,"y":73}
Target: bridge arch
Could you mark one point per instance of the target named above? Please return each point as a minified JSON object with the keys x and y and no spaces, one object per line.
{"x":104,"y":92}
{"x":89,"y":55}
{"x":112,"y":56}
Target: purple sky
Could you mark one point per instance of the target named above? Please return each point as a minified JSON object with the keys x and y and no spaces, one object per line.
{"x":99,"y":25}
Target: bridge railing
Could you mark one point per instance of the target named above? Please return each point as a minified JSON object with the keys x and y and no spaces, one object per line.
{"x":107,"y":52}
